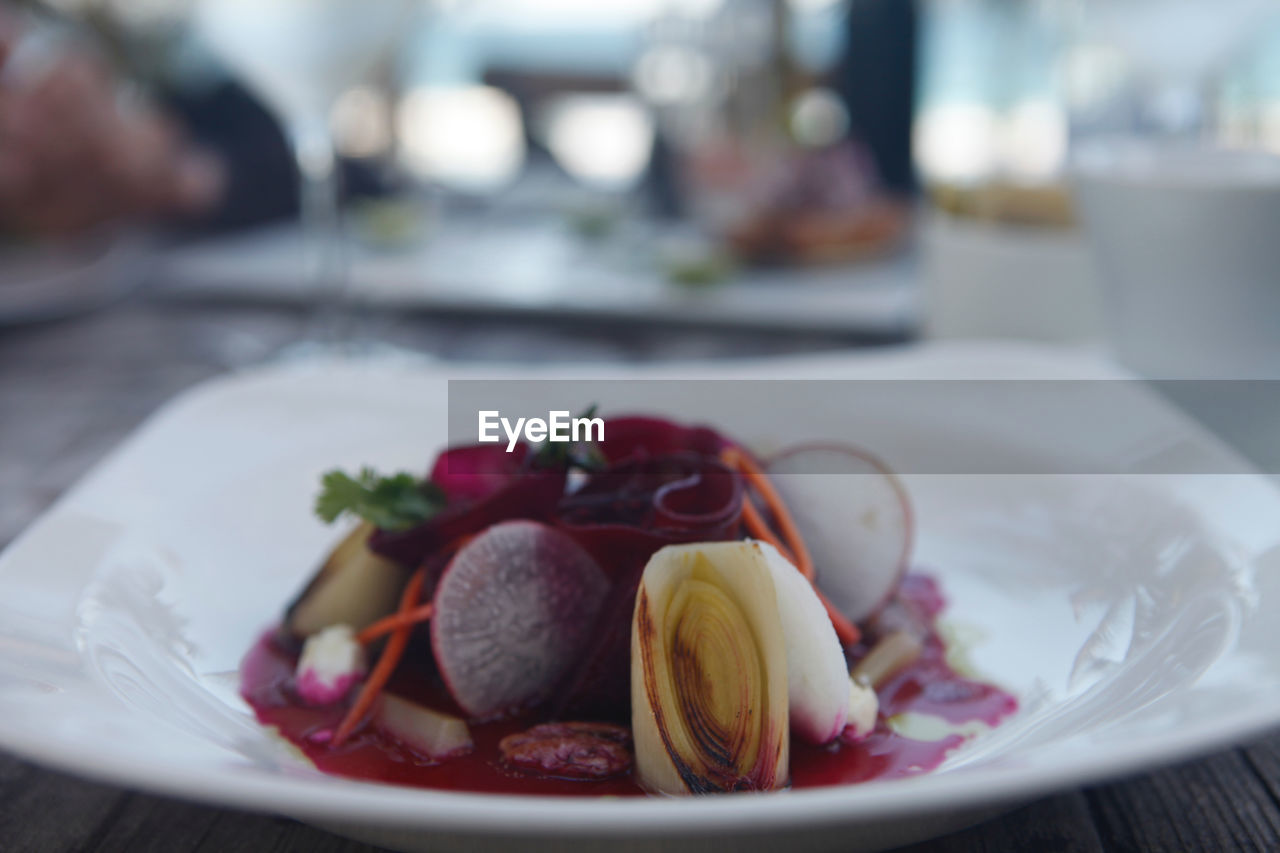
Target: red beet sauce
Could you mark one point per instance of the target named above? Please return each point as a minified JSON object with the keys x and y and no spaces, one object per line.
{"x":928,"y":686}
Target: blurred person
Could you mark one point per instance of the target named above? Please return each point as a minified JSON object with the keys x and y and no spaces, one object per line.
{"x":877,"y":80}
{"x":202,"y":155}
{"x":75,"y":155}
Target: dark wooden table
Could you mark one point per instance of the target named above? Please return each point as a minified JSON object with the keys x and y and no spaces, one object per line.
{"x":70,"y":390}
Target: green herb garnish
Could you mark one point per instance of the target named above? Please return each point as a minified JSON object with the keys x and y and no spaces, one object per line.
{"x":568,"y":454}
{"x":389,"y":503}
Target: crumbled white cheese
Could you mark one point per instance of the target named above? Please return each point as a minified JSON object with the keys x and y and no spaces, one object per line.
{"x":863,"y":708}
{"x":332,"y":662}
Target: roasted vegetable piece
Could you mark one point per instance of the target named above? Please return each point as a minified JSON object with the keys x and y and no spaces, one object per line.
{"x":709,"y":673}
{"x":354,"y":586}
{"x":570,"y":750}
{"x":429,"y":733}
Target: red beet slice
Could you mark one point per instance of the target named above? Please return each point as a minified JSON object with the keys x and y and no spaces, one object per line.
{"x":474,"y":472}
{"x":639,"y":436}
{"x":855,"y":516}
{"x":476,"y":500}
{"x":621,"y":516}
{"x":513,"y":611}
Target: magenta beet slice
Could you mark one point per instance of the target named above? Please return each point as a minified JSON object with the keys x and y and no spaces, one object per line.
{"x":637,"y":436}
{"x":477,"y":471}
{"x":513,"y":610}
{"x":855,"y":517}
{"x":481,"y":492}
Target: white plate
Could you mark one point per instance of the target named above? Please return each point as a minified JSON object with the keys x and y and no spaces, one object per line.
{"x":1118,"y":608}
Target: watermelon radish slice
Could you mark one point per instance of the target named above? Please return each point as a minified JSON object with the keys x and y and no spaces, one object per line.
{"x":513,"y":610}
{"x":856,"y":518}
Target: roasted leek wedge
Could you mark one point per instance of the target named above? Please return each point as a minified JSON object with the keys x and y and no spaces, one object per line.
{"x":709,"y":672}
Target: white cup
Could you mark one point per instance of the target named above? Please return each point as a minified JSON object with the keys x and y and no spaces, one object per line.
{"x":1187,"y":242}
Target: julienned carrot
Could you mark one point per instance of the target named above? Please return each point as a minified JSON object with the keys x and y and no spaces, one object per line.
{"x":386,"y":663}
{"x":414,"y":616}
{"x":387,"y":624}
{"x":795,"y":549}
{"x":755,"y":475}
{"x":757,"y":527}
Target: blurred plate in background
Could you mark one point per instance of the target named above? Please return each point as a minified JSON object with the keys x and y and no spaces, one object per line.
{"x":46,"y":281}
{"x":544,"y":269}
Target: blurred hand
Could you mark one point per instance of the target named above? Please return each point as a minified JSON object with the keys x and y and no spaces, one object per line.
{"x":72,"y":158}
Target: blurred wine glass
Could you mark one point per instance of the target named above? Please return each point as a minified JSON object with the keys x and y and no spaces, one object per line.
{"x":300,"y":56}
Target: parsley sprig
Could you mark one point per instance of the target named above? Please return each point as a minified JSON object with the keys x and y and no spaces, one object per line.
{"x":397,"y":502}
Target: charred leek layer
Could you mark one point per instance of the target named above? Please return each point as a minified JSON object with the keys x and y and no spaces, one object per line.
{"x":709,"y":672}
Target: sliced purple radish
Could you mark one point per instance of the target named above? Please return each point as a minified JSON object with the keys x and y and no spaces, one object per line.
{"x":855,"y":516}
{"x":513,"y":611}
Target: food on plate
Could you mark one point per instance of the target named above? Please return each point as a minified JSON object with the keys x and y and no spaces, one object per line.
{"x":353,"y":587}
{"x":511,"y":611}
{"x":429,"y":733}
{"x":709,"y":692}
{"x":570,"y":750}
{"x":856,"y":520}
{"x":660,"y":611}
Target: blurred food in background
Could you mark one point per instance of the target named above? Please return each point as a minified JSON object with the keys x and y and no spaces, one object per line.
{"x":792,"y":123}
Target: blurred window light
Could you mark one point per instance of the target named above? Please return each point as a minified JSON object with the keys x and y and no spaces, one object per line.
{"x":602,"y":140}
{"x":819,"y":118}
{"x":143,"y":14}
{"x":816,"y":32}
{"x":1269,"y":126}
{"x":1092,"y":74}
{"x":554,"y":13}
{"x":361,"y":122}
{"x":814,"y":6}
{"x":1178,"y":39}
{"x":469,"y":138}
{"x":671,"y":74}
{"x":695,"y":8}
{"x":956,"y":142}
{"x":1034,"y":140}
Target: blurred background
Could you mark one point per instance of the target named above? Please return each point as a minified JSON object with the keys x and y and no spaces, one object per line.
{"x":689,"y":177}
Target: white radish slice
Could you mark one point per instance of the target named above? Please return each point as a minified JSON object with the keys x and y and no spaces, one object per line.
{"x":855,"y":517}
{"x":434,"y":734}
{"x":817,"y":676}
{"x":512,"y":613}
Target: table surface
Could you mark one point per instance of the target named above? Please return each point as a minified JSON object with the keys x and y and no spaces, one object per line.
{"x":71,"y":390}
